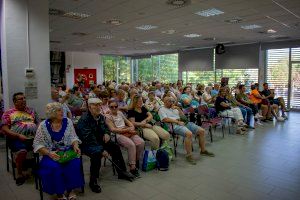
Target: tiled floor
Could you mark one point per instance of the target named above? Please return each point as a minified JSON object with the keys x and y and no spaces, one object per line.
{"x":264,"y":164}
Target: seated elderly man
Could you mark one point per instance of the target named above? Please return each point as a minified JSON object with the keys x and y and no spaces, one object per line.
{"x":95,"y":137}
{"x":20,"y":124}
{"x":269,"y":94}
{"x":171,"y":114}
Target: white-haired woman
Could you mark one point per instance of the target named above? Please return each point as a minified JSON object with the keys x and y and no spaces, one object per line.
{"x":55,"y":135}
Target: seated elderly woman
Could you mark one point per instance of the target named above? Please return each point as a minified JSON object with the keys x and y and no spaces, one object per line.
{"x":126,"y":136}
{"x":76,"y":102}
{"x":246,"y":111}
{"x":189,"y":98}
{"x":140,"y":117}
{"x":224,"y":108}
{"x":57,"y":142}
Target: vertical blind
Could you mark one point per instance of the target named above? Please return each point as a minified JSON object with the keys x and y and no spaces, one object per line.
{"x":278,"y":71}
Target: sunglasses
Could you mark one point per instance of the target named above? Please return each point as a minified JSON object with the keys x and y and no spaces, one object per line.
{"x":113,"y":107}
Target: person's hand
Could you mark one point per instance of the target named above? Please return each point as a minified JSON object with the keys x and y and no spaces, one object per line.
{"x":148,"y":126}
{"x":130,"y":128}
{"x":105,"y":154}
{"x":106,"y":138}
{"x":76,"y":149}
{"x":180,"y":123}
{"x":54,"y":156}
{"x":22,"y":137}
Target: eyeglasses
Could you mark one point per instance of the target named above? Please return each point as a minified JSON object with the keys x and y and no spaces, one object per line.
{"x":21,"y":99}
{"x":114,"y":107}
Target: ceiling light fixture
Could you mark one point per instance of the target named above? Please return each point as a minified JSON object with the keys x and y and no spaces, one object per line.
{"x":113,"y":21}
{"x":210,"y":39}
{"x":192,"y":35}
{"x":250,"y":27}
{"x":146,"y":27}
{"x":79,"y":34}
{"x":235,"y":20}
{"x":150,"y":42}
{"x":209,"y":12}
{"x":76,"y":15}
{"x":271,"y":31}
{"x":178,"y":3}
{"x":169,"y":32}
{"x":106,"y":37}
{"x":168,"y":44}
{"x":56,"y":12}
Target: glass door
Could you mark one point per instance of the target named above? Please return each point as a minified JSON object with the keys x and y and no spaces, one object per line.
{"x":295,"y":86}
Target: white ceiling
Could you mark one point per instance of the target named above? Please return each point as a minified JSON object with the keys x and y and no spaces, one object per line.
{"x":127,"y":40}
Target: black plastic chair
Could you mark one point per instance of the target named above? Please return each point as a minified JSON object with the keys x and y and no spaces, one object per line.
{"x":37,"y":179}
{"x":9,"y":152}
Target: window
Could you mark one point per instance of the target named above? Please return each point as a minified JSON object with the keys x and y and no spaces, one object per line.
{"x":162,"y":68}
{"x":278,"y":71}
{"x":243,"y":76}
{"x":109,"y":67}
{"x":123,"y":70}
{"x":116,"y":68}
{"x":195,"y":77}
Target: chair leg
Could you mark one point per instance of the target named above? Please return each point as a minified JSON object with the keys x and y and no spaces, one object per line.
{"x":82,"y":172}
{"x":41,"y":189}
{"x":7,"y":158}
{"x":13,"y":165}
{"x":175,"y":145}
{"x":210,"y":134}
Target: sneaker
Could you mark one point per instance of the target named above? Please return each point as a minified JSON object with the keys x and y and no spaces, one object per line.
{"x":20,"y":181}
{"x":190,"y":159}
{"x":126,"y":176}
{"x":94,"y":186}
{"x":207,"y":153}
{"x":135,"y":172}
{"x":258,"y":123}
{"x":284,"y":116}
{"x":280,"y":119}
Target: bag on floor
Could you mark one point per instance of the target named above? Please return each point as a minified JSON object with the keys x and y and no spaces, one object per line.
{"x":149,"y":160}
{"x":162,"y":158}
{"x":165,"y":146}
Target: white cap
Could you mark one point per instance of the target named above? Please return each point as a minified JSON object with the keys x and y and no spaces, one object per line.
{"x":94,"y":100}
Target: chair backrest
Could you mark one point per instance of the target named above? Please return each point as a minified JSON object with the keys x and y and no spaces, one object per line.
{"x":203,"y":110}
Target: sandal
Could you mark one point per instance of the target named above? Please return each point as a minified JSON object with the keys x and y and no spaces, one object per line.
{"x":61,"y":198}
{"x":72,"y":197}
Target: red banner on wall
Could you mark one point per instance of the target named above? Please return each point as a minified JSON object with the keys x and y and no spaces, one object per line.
{"x":85,"y":77}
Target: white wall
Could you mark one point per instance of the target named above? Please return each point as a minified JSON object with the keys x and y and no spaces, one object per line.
{"x":81,"y":60}
{"x":16,"y":23}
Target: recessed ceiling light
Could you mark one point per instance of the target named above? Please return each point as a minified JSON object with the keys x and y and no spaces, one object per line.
{"x":168,"y":44}
{"x":271,"y":31}
{"x":234,"y":20}
{"x":171,"y":31}
{"x":178,"y":2}
{"x":250,"y":27}
{"x":150,"y":42}
{"x":106,"y":37}
{"x":56,"y":12}
{"x":210,"y":39}
{"x":146,"y":27}
{"x":192,"y":35}
{"x":79,"y":34}
{"x":209,"y":12}
{"x":55,"y":41}
{"x":113,"y":21}
{"x":76,"y":15}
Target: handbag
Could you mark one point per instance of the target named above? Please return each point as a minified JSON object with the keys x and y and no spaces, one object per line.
{"x":66,"y":155}
{"x":149,"y":160}
{"x":165,"y":146}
